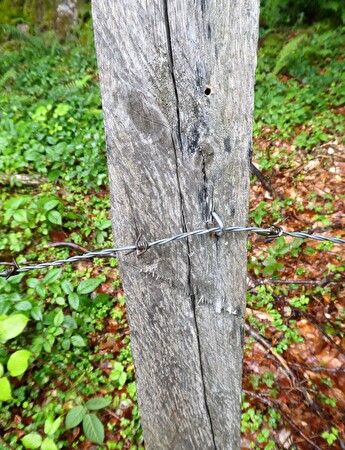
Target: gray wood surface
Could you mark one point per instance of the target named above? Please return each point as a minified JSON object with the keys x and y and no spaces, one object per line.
{"x":177,"y":82}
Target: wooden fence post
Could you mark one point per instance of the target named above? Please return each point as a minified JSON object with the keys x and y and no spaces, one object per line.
{"x":177,"y":82}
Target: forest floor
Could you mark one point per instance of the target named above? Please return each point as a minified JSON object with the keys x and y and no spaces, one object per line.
{"x":66,"y":371}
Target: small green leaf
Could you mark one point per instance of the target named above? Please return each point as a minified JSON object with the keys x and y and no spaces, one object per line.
{"x":67,"y":287}
{"x":23,"y":306}
{"x":97,"y":403}
{"x":58,"y":319}
{"x":32,"y":440}
{"x":12,"y":326}
{"x":5,"y":390}
{"x":73,"y":300}
{"x":20,"y":215}
{"x":54,"y":217}
{"x":131,"y":389}
{"x":50,"y":204}
{"x":36,"y":313}
{"x":32,"y":282}
{"x":61,"y":109}
{"x":48,"y":444}
{"x":122,"y":380}
{"x":77,"y":341}
{"x":93,"y":428}
{"x":69,"y":322}
{"x":66,"y":344}
{"x":52,"y":276}
{"x":87,"y":286}
{"x":75,"y":416}
{"x":2,"y":370}
{"x":41,"y":290}
{"x":51,"y":425}
{"x":18,"y":362}
{"x":104,"y":224}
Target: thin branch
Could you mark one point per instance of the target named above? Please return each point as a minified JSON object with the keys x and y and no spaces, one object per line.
{"x":317,"y":368}
{"x":265,"y":343}
{"x":282,"y":362}
{"x":67,"y":244}
{"x":22,"y":179}
{"x":324,"y":334}
{"x":111,"y":413}
{"x":254,"y":282}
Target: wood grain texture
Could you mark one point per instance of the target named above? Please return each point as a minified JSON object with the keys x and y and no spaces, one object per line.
{"x":177,"y":81}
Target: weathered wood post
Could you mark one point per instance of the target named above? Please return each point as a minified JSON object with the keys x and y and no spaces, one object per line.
{"x":177,"y":81}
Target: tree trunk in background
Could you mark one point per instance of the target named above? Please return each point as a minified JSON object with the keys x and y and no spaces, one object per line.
{"x":177,"y":81}
{"x":66,"y":16}
{"x":60,"y":15}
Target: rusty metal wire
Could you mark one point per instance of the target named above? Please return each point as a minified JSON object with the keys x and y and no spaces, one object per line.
{"x":141,"y":246}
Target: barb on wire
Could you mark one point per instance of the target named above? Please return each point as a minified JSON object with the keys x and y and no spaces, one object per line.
{"x":141,"y":245}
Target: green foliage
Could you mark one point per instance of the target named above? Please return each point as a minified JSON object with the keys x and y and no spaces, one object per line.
{"x":268,"y":263}
{"x":18,"y":362}
{"x":288,"y":52}
{"x":52,"y":127}
{"x":31,"y":13}
{"x":306,"y":103}
{"x":265,"y":298}
{"x":288,"y":12}
{"x":34,"y":440}
{"x":11,"y":327}
{"x":5,"y":390}
{"x":25,"y":214}
{"x":92,"y":426}
{"x":255,"y":420}
{"x":330,"y":436}
{"x":53,"y":119}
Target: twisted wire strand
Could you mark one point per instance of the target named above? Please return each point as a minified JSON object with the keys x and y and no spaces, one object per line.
{"x":271,"y":232}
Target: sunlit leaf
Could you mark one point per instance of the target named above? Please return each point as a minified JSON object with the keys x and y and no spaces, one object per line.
{"x":5,"y":390}
{"x":20,"y":215}
{"x":12,"y":326}
{"x":18,"y":362}
{"x":51,"y":426}
{"x":32,"y":440}
{"x":48,"y":444}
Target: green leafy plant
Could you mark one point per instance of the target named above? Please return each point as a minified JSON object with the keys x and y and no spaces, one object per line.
{"x":34,"y":440}
{"x":92,"y":426}
{"x":276,"y":12}
{"x":330,"y":436}
{"x":288,"y":51}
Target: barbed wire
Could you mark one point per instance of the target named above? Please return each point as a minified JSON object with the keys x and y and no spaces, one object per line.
{"x":141,"y":245}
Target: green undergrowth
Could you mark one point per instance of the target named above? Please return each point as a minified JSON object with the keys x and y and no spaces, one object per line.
{"x":51,"y":370}
{"x":300,"y":92}
{"x":50,"y":108}
{"x":57,"y":385}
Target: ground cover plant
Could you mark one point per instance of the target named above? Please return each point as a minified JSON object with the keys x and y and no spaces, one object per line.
{"x":66,"y":372}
